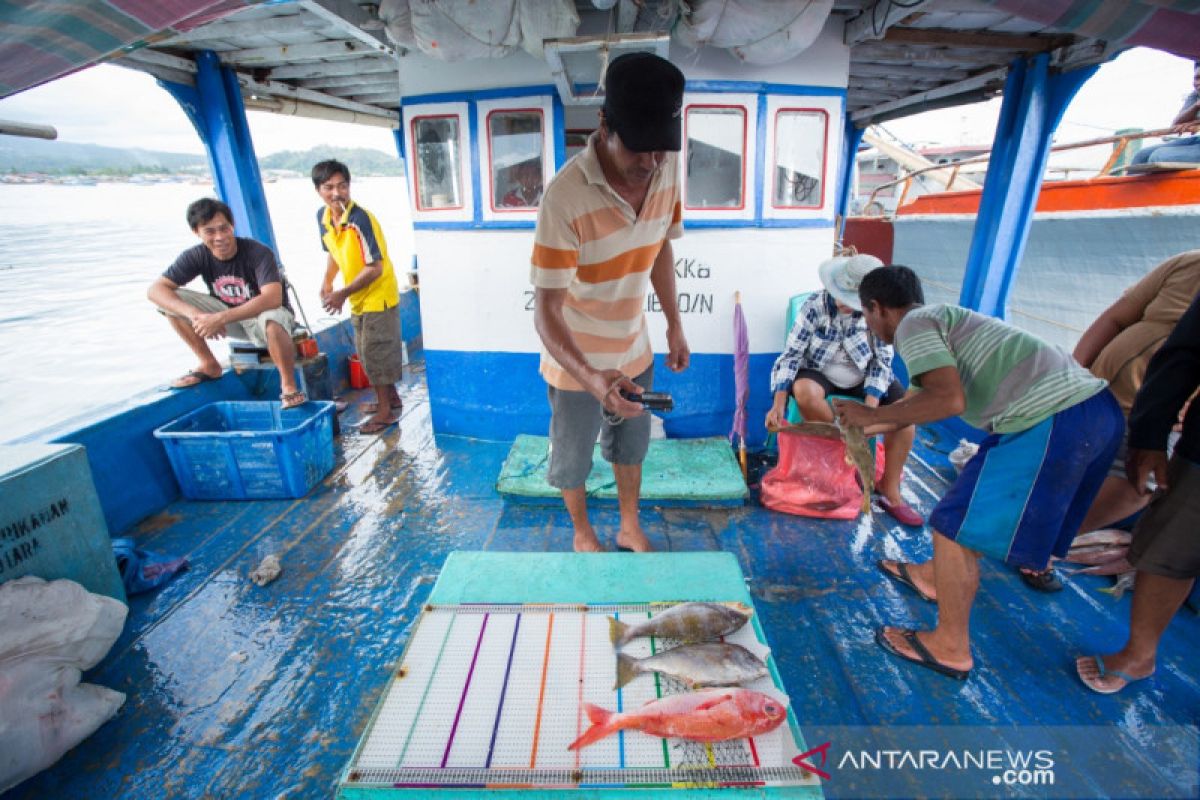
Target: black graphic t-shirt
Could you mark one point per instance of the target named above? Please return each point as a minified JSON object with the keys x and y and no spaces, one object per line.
{"x":235,"y":281}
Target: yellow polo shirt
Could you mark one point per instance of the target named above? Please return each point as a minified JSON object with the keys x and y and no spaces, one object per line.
{"x":355,"y":241}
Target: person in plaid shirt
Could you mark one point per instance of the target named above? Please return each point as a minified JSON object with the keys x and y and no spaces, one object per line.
{"x":830,"y":351}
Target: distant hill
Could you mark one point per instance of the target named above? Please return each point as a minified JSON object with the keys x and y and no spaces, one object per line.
{"x":362,"y":161}
{"x":19,"y":154}
{"x":38,"y":155}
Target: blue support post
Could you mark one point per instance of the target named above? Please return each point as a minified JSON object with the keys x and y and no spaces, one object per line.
{"x":1034,"y":101}
{"x":215,"y":108}
{"x":851,"y":138}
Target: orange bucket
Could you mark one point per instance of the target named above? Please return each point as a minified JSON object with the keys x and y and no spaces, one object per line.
{"x":358,"y":377}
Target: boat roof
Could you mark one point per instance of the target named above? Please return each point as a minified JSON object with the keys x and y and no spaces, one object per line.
{"x":322,"y":57}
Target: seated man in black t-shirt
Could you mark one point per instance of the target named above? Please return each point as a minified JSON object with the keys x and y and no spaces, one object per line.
{"x":245,"y":298}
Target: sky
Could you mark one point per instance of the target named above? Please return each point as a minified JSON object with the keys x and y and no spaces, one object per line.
{"x":118,"y":107}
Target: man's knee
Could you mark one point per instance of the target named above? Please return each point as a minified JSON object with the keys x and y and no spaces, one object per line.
{"x":809,"y":394}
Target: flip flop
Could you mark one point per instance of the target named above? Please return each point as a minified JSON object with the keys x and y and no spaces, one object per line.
{"x":291,"y":400}
{"x":902,"y":577}
{"x":923,"y":657}
{"x":198,"y":376}
{"x":370,"y":427}
{"x":371,"y":408}
{"x":1125,"y":676}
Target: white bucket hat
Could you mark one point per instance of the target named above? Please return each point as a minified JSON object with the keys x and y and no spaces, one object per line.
{"x":841,"y":276}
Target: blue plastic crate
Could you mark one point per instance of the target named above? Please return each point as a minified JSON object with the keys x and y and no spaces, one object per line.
{"x":250,"y":450}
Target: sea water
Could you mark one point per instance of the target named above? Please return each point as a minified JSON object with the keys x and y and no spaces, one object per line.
{"x":76,"y":330}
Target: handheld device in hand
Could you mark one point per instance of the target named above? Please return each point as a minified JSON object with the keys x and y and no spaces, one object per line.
{"x":655,"y":401}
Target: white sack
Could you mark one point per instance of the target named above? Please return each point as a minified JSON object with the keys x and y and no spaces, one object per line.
{"x":54,"y":630}
{"x":754,"y":31}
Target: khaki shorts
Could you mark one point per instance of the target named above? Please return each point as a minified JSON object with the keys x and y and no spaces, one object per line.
{"x":253,"y":330}
{"x":1165,"y":540}
{"x":380,"y":345}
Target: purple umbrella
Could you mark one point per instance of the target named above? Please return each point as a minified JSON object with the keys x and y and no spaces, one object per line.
{"x":741,"y":377}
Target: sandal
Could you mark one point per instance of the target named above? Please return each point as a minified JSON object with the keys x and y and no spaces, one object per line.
{"x":193,"y":378}
{"x":292,"y":399}
{"x":923,"y":657}
{"x":372,"y":426}
{"x":1104,"y":672}
{"x":902,"y":577}
{"x":1045,"y":580}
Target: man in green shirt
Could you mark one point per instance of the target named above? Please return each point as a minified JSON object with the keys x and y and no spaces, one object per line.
{"x":1052,"y":427}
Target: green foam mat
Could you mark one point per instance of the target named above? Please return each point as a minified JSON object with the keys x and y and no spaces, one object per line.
{"x":676,"y":472}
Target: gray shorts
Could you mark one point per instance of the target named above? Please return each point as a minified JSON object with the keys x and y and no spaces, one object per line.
{"x":575,"y":420}
{"x":1164,"y":540}
{"x":253,"y":330}
{"x":379,"y":344}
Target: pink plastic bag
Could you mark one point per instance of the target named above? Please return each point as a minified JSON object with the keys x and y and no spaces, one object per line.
{"x":812,"y":478}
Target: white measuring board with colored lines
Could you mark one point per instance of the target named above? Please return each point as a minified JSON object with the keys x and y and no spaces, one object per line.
{"x":490,"y":696}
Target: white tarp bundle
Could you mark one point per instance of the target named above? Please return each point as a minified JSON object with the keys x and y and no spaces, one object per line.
{"x":52,"y":632}
{"x":755,"y":31}
{"x":458,"y":30}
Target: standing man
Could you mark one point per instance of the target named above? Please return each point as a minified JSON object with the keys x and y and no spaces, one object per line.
{"x":245,"y":298}
{"x":1166,"y":547}
{"x":603,"y":234}
{"x":1053,"y":429}
{"x":354,"y":242}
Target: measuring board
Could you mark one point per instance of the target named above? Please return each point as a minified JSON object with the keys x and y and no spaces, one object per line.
{"x":490,"y":696}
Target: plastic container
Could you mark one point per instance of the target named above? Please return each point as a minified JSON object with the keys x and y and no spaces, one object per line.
{"x":250,"y":450}
{"x":358,"y":377}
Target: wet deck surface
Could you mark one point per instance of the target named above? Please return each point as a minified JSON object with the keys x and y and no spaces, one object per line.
{"x":236,"y":690}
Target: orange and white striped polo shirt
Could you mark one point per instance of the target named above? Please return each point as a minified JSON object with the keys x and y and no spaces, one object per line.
{"x":589,"y":242}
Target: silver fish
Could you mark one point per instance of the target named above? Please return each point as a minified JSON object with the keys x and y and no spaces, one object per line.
{"x":689,"y":623}
{"x":858,"y":451}
{"x":1104,"y":536}
{"x":1098,"y":554}
{"x":696,"y":665}
{"x":1125,"y":582}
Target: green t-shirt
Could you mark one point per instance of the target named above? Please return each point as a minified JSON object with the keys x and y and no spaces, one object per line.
{"x":1011,"y":379}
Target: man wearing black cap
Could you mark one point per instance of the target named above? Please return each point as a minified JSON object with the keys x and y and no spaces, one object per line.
{"x":603,"y":237}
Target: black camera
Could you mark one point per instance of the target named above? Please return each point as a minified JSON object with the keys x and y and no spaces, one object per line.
{"x":655,"y":401}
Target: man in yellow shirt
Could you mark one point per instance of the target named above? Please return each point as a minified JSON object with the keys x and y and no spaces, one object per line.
{"x":351,"y":236}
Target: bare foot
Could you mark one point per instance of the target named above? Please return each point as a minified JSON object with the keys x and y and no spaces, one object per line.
{"x":586,"y":542}
{"x":947,"y":658}
{"x":634,"y":540}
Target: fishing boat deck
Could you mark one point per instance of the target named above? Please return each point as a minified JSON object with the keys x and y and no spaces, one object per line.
{"x":236,"y":690}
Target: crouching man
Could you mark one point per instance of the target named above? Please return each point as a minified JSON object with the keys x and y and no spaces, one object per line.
{"x":245,"y":298}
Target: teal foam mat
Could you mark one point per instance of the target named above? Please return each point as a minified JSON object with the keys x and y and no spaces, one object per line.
{"x":677,"y":472}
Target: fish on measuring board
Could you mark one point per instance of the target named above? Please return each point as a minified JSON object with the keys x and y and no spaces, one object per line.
{"x":858,"y":451}
{"x":696,"y":665}
{"x":690,"y":623}
{"x":714,"y":715}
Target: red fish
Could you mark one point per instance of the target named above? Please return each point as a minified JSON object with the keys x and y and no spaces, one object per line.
{"x":711,"y":716}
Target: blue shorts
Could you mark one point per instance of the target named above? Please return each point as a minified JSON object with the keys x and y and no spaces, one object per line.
{"x":1024,"y":495}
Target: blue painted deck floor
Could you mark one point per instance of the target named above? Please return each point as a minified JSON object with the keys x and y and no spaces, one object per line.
{"x":237,"y":691}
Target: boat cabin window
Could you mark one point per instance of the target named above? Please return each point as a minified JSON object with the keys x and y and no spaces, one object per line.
{"x":438,"y":174}
{"x":716,"y":155}
{"x":799,"y":166}
{"x":515,"y":146}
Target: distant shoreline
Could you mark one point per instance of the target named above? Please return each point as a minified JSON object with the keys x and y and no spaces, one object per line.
{"x":84,"y":178}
